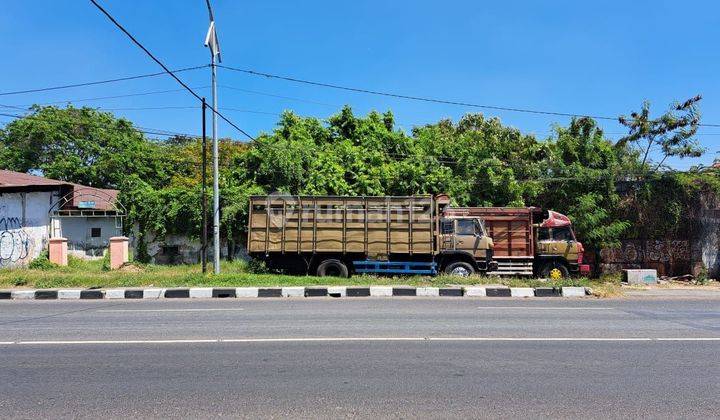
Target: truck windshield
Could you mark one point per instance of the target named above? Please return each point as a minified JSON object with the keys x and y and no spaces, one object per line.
{"x":563,"y":234}
{"x":558,"y":234}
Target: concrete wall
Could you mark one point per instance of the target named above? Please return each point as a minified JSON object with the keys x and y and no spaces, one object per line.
{"x":178,"y":249}
{"x":24,"y":226}
{"x":81,"y":244}
{"x":697,"y":247}
{"x":708,"y":242}
{"x":668,"y":257}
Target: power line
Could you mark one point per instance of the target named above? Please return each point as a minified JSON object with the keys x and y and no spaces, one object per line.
{"x":142,"y":47}
{"x":423,"y":99}
{"x":100,"y":82}
{"x":414,"y":98}
{"x":273,"y":95}
{"x":11,"y":115}
{"x":147,"y":108}
{"x":13,"y":107}
{"x":144,"y":130}
{"x":394,"y":155}
{"x":250,"y":111}
{"x":98,"y":98}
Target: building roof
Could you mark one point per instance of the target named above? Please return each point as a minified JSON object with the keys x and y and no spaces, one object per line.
{"x":19,"y":179}
{"x":102,"y":199}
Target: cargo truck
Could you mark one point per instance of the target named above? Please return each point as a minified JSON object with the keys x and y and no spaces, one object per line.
{"x":340,"y":236}
{"x":529,"y":241}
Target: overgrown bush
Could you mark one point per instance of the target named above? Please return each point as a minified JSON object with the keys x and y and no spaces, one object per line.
{"x":42,"y":262}
{"x":106,"y":261}
{"x":257,"y":267}
{"x":75,"y":262}
{"x":702,"y":277}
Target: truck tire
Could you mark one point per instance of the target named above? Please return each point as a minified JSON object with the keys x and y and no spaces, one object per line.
{"x":460,"y":269}
{"x":332,"y":268}
{"x":554,"y":271}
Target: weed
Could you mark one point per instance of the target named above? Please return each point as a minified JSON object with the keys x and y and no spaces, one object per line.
{"x":257,"y":267}
{"x":106,"y":262}
{"x":702,"y":277}
{"x":42,"y":262}
{"x":87,"y":273}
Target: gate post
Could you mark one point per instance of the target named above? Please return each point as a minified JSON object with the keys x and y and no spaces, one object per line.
{"x":118,"y":251}
{"x":57,"y":251}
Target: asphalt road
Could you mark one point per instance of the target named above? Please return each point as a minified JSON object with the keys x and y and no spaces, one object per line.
{"x":365,"y":357}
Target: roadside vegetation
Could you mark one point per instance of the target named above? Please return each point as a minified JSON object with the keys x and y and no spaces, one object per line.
{"x":611,"y":189}
{"x":91,"y":274}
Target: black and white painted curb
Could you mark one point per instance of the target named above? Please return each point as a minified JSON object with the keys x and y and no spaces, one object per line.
{"x":293,"y":292}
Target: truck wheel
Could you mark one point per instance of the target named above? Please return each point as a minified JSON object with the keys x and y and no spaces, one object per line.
{"x":554,"y":271}
{"x":460,"y":269}
{"x":332,"y":268}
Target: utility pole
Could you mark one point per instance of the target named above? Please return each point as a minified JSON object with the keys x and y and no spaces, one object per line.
{"x":211,"y":41}
{"x":203,"y":256}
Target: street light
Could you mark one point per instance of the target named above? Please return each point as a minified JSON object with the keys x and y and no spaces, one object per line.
{"x":211,"y":41}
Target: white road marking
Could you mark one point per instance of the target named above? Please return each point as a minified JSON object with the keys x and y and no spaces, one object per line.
{"x":173,"y":310}
{"x":360,"y":339}
{"x":549,"y":308}
{"x":689,"y":339}
{"x":114,"y":342}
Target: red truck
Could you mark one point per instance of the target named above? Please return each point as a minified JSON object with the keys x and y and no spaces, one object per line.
{"x":530,"y":241}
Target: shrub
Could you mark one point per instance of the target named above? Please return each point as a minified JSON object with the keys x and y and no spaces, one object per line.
{"x":106,"y":261}
{"x":702,"y":277}
{"x":75,"y":262}
{"x":257,"y":267}
{"x":42,"y":262}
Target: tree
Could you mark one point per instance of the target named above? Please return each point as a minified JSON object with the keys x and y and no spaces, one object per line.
{"x":80,"y":145}
{"x":579,"y":180}
{"x":672,"y":132}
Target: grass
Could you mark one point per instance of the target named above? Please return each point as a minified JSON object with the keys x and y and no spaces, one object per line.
{"x":87,"y":274}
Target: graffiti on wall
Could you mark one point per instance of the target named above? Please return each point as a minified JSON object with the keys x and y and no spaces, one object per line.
{"x":669,"y":257}
{"x":15,"y":243}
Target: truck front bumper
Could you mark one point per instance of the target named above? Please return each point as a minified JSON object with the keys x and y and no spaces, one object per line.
{"x":584,"y":269}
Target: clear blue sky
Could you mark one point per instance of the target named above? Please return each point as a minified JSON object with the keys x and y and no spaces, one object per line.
{"x":600,"y":58}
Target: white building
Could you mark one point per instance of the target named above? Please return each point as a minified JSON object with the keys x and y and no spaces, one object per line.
{"x":33,"y":209}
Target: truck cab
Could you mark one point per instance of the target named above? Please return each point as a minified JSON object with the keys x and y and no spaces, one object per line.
{"x":558,"y":253}
{"x":528,"y":241}
{"x":465,"y":247}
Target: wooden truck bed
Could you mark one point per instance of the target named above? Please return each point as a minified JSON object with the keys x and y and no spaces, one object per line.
{"x":509,"y":227}
{"x":374,"y":226}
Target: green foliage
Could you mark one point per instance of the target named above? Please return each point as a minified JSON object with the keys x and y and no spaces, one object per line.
{"x":42,"y":262}
{"x":106,"y":261}
{"x":596,"y":223}
{"x":702,"y":277}
{"x":257,"y":267}
{"x":80,"y":145}
{"x":75,"y":262}
{"x":673,"y":132}
{"x":478,"y":161}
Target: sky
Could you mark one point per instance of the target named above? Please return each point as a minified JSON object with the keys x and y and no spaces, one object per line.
{"x":597,"y":58}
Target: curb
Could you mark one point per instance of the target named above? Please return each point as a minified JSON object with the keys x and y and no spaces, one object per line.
{"x":293,"y":292}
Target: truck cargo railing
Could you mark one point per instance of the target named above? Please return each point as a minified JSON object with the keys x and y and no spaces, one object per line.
{"x":370,"y":225}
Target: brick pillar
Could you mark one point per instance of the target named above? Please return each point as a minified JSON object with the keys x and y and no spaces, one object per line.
{"x":58,"y":251}
{"x":118,"y":251}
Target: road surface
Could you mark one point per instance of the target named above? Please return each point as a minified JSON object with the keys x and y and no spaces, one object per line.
{"x":364,"y":357}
